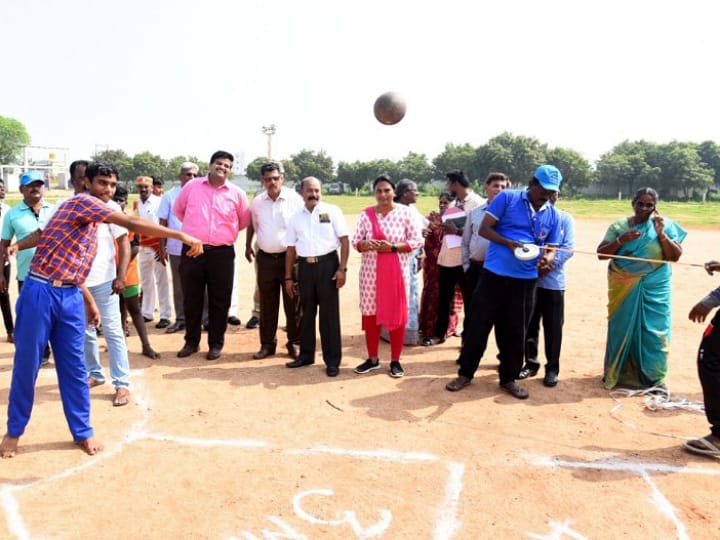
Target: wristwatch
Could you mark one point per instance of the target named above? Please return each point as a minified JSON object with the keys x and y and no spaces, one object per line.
{"x":394,"y":247}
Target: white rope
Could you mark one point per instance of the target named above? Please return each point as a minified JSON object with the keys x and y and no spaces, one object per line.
{"x":625,"y":257}
{"x":656,"y":398}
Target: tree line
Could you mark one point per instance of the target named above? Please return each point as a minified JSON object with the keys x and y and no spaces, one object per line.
{"x":677,"y":170}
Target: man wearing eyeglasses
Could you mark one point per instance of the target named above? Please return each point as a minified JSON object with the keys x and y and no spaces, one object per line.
{"x":188,"y":171}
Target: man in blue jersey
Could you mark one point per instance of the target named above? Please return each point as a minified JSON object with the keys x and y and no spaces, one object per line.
{"x":503,"y":297}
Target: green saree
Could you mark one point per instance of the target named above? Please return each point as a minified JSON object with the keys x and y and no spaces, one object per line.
{"x":638,"y":334}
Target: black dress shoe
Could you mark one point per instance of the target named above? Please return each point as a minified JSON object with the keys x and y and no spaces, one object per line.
{"x":526,"y":372}
{"x":187,"y":350}
{"x":551,"y":379}
{"x":175,"y":327}
{"x":299,"y":363}
{"x":293,"y":350}
{"x":213,"y":353}
{"x":234,"y":321}
{"x":264,"y":352}
{"x":162,"y":323}
{"x":254,"y":322}
{"x":147,"y":319}
{"x":332,"y":371}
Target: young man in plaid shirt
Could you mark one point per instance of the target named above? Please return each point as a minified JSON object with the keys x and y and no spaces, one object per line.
{"x":54,"y":302}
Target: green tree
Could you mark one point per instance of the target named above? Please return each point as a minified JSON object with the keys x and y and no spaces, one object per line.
{"x":252,"y":169}
{"x":415,"y":167}
{"x":122,"y":162}
{"x":148,"y":164}
{"x":462,"y":156}
{"x":13,"y":136}
{"x":709,"y":153}
{"x":516,"y":156}
{"x":576,"y":170}
{"x":309,"y":163}
{"x":683,"y":170}
{"x":626,"y":168}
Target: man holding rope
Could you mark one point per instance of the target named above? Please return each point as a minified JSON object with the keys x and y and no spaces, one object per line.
{"x":503,"y":297}
{"x":708,"y":362}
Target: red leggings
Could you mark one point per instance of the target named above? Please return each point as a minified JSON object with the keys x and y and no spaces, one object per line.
{"x":372,"y":338}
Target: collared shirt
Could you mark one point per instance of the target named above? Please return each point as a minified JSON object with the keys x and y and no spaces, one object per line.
{"x":214,"y":215}
{"x":149,"y":210}
{"x":555,"y":279}
{"x":103,"y":267}
{"x":68,"y":242}
{"x":318,"y":232}
{"x":270,"y":218}
{"x":474,"y":246}
{"x":21,"y":221}
{"x":173,"y":246}
{"x":450,"y":257}
{"x":517,"y":220}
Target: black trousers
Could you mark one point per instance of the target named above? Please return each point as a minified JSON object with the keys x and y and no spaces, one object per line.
{"x":708,"y":362}
{"x":213,"y":270}
{"x":506,"y":303}
{"x":319,"y":290}
{"x":448,"y":278}
{"x":549,"y":306}
{"x":5,"y":303}
{"x":271,"y":284}
{"x":472,"y":278}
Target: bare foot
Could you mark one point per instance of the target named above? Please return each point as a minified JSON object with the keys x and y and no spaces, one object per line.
{"x":90,"y":445}
{"x":122,"y":397}
{"x":8,"y":447}
{"x":150,"y":353}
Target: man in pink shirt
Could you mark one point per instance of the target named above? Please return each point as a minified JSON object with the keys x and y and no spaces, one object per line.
{"x":216,"y":210}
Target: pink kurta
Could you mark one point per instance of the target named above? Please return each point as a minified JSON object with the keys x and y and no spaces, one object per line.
{"x":399,"y":225}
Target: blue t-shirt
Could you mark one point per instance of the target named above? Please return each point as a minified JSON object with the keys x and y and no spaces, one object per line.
{"x":21,"y":221}
{"x":555,"y":279}
{"x":516,"y":220}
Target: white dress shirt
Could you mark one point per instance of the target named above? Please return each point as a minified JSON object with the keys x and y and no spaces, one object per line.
{"x":270,"y":218}
{"x":318,"y":232}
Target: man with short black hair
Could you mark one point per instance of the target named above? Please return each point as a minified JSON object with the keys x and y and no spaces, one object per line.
{"x":212,"y":195}
{"x":271,"y":210}
{"x":55,"y":305}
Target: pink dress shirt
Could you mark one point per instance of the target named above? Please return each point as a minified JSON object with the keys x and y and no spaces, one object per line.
{"x":213,"y":215}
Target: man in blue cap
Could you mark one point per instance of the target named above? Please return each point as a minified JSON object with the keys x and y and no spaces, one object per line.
{"x":503,"y":297}
{"x":31,"y":214}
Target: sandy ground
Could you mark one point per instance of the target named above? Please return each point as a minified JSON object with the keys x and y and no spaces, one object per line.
{"x":239,"y":448}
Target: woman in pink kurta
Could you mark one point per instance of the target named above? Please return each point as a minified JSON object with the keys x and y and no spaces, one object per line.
{"x":386,"y":235}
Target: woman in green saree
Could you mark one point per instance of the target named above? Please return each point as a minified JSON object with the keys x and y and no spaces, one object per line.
{"x":638,"y":335}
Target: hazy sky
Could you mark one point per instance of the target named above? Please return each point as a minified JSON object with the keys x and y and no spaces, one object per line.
{"x":189,"y":77}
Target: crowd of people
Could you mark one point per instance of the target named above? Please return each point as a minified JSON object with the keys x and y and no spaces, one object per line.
{"x":83,"y":264}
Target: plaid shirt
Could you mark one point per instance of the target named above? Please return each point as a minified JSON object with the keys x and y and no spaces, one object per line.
{"x":68,"y":242}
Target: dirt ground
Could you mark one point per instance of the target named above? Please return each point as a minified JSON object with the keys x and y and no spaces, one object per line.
{"x":240,"y":448}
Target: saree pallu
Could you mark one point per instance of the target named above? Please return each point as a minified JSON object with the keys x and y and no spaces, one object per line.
{"x":639,"y":314}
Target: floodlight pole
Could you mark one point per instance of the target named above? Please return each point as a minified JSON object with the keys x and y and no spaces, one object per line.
{"x":269,"y":131}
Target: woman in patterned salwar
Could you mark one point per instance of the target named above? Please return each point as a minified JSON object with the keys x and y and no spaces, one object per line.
{"x":638,"y":335}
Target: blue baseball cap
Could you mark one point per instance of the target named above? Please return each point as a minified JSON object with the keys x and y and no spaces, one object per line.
{"x":549,"y":177}
{"x":30,"y":177}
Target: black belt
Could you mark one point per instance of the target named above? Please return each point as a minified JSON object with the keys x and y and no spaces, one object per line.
{"x":272,"y":255}
{"x":51,"y":282}
{"x":208,"y":247}
{"x":473,"y":261}
{"x":319,"y":258}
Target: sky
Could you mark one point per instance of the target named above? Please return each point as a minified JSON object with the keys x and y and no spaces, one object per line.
{"x":184,"y":77}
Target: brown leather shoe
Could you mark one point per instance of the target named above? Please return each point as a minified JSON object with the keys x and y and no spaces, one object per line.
{"x":457,"y":384}
{"x":213,"y":353}
{"x":293,"y":350}
{"x":264,"y":352}
{"x":187,"y":350}
{"x":515,"y":390}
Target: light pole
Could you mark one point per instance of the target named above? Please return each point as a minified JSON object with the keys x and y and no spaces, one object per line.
{"x":269,"y":131}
